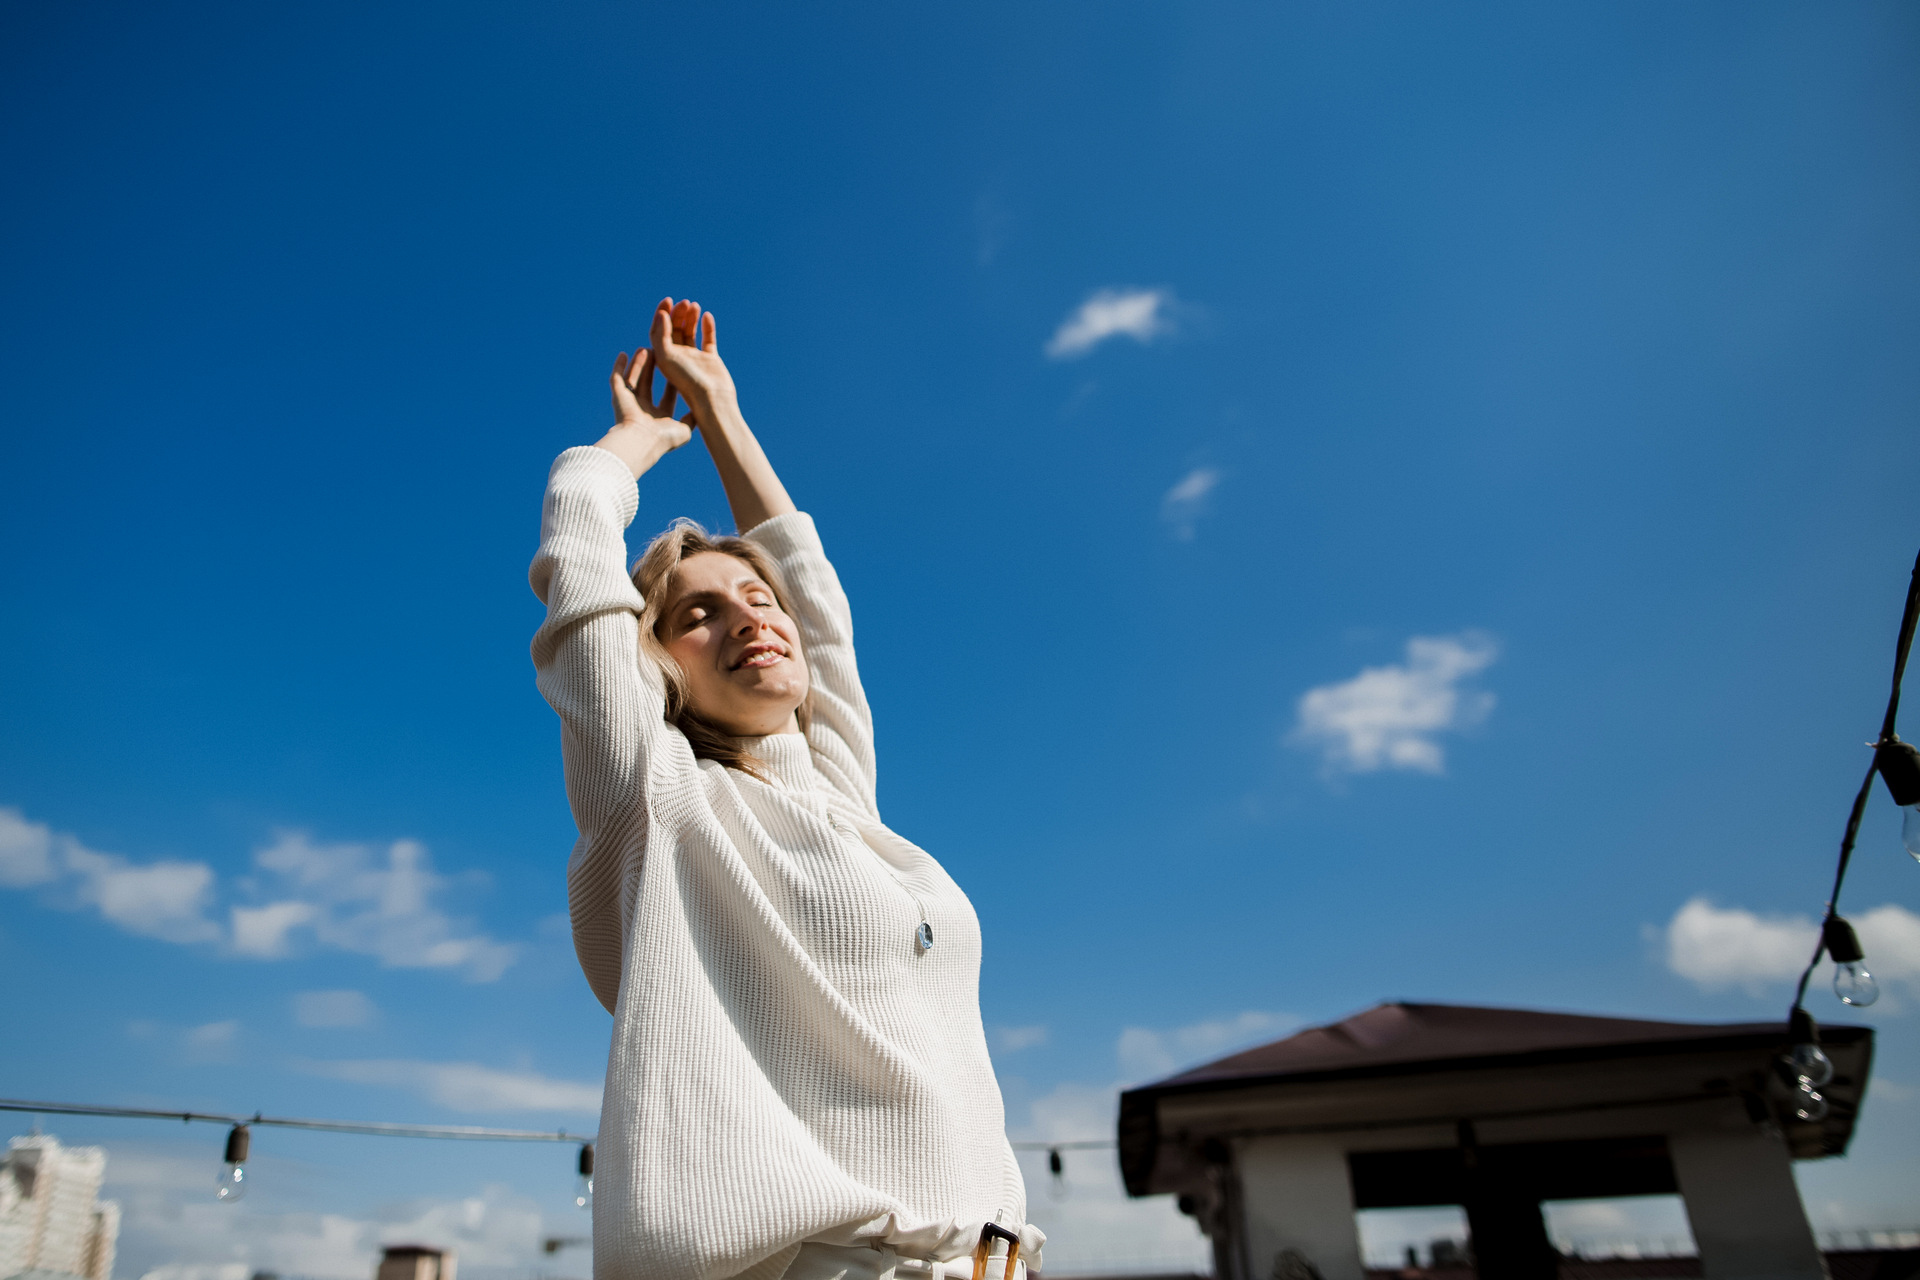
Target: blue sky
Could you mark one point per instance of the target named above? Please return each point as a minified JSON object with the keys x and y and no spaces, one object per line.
{"x":1341,"y":502}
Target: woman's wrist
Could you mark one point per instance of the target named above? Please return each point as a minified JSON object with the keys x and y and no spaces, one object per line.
{"x":636,"y":447}
{"x":719,"y":413}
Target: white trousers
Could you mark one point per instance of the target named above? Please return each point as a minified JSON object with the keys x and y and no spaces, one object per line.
{"x":864,"y":1262}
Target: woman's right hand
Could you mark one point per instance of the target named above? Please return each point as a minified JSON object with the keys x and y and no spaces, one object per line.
{"x":644,"y":431}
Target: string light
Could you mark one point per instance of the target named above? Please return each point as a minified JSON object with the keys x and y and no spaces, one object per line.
{"x":583,"y":1185}
{"x":233,"y":1180}
{"x":1807,"y":1066}
{"x":1851,"y":981}
{"x":1897,"y":764}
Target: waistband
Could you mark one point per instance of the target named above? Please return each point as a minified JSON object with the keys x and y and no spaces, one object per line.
{"x":871,"y":1262}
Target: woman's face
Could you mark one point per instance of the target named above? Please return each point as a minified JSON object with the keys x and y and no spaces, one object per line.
{"x":740,"y":652}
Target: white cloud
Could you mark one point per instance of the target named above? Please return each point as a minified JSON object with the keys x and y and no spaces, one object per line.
{"x":1890,"y":935}
{"x":1720,"y":947}
{"x":1186,"y":502}
{"x":1146,"y":1054}
{"x":1717,"y":947}
{"x":352,"y":897}
{"x":466,"y":1086}
{"x":362,"y":901}
{"x":1014,"y":1039}
{"x":1386,"y":717}
{"x":26,"y":851}
{"x":1140,"y":314}
{"x":261,"y":932}
{"x":211,"y":1042}
{"x":172,"y":1231}
{"x":165,"y":900}
{"x":333,"y":1009}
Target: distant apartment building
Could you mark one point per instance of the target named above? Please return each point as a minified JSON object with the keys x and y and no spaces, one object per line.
{"x":51,"y":1217}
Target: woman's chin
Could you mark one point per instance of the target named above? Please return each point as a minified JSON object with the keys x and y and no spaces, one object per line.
{"x":773,"y":715}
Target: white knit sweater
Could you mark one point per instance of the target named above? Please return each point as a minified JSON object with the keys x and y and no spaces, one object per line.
{"x":787,"y":1065}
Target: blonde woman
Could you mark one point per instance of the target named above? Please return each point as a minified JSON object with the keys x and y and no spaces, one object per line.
{"x":798,"y":1084}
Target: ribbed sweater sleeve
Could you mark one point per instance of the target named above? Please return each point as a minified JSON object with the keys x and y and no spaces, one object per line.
{"x":841,"y":734}
{"x":610,"y":701}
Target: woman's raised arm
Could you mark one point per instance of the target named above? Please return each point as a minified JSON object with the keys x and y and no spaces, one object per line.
{"x":686,"y":349}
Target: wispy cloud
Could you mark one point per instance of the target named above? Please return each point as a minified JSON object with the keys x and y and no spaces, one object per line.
{"x":1720,"y":947}
{"x":1140,"y":314}
{"x":26,"y":851}
{"x":166,"y":1217}
{"x":165,"y":900}
{"x":333,"y":1009}
{"x":1186,"y":502}
{"x":466,"y":1086}
{"x":1387,"y":717}
{"x":1146,"y":1054}
{"x":208,"y":1042}
{"x":361,"y":899}
{"x":350,"y":897}
{"x":1014,"y":1039}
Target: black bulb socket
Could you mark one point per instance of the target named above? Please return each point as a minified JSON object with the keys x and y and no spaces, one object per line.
{"x":1843,"y":944}
{"x":238,"y":1140}
{"x":586,"y":1159}
{"x":1801,"y":1028}
{"x":1054,"y":1166}
{"x":1899,"y":766}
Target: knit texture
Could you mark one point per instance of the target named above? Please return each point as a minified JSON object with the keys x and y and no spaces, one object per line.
{"x":787,"y":1065}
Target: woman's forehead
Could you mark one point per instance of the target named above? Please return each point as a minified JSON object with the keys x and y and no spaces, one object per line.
{"x":713,"y":571}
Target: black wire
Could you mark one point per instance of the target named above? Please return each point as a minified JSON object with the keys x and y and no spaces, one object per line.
{"x":1907,"y":622}
{"x":376,"y":1128}
{"x":1908,"y":618}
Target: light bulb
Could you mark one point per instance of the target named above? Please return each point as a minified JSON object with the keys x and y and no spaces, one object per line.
{"x":1808,"y":1104}
{"x":1899,"y":767}
{"x":1854,"y":985}
{"x":232,"y":1182}
{"x":1810,"y":1064}
{"x":1851,"y":981}
{"x":583,"y":1185}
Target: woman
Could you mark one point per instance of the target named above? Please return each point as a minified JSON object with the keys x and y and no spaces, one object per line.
{"x":799,"y":1083}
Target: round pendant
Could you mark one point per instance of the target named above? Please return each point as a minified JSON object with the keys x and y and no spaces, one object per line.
{"x":924,"y":936}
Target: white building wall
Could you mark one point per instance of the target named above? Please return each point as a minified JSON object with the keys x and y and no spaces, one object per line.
{"x":104,"y":1242}
{"x":50,"y":1215}
{"x":1297,"y":1197}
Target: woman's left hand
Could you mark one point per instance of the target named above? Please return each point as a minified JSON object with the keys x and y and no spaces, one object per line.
{"x":686,"y":347}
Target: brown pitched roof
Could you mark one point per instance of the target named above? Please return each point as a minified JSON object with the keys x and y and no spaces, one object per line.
{"x":1403,"y":1039}
{"x":1394,"y":1038}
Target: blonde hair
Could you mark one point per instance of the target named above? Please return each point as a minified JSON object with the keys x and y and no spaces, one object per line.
{"x":652,"y":573}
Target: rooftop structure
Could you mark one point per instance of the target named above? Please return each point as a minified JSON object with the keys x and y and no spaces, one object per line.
{"x":415,"y":1262}
{"x":51,"y":1217}
{"x":1274,"y":1149}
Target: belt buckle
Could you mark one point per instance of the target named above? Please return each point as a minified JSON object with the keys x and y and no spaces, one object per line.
{"x":984,"y":1250}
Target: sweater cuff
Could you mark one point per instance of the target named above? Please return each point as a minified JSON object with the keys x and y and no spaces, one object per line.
{"x":588,"y":468}
{"x":786,"y":536}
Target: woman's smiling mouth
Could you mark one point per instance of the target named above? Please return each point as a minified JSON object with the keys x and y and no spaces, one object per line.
{"x":761,"y":655}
